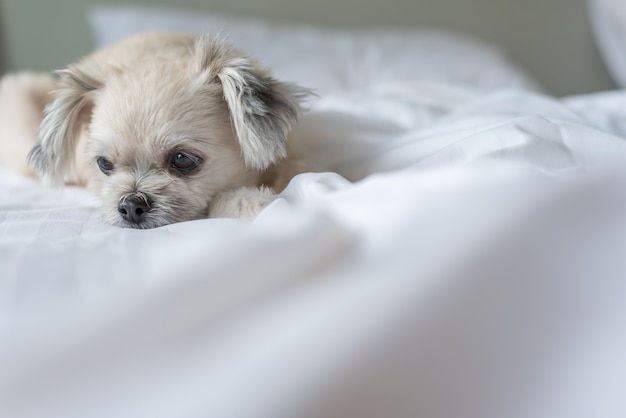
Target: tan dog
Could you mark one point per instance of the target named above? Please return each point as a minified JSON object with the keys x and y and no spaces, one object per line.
{"x":166,"y":127}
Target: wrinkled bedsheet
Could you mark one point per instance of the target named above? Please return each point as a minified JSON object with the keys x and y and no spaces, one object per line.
{"x":461,"y":255}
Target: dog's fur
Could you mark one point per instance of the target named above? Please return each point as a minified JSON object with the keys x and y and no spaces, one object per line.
{"x":139,"y":105}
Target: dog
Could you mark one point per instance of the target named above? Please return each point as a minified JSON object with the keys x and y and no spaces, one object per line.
{"x":165,"y":127}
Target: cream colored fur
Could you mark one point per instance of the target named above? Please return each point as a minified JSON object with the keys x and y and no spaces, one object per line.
{"x":22,"y":100}
{"x":140,"y":103}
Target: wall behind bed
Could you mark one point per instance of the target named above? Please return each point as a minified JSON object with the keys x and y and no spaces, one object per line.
{"x":551,"y":39}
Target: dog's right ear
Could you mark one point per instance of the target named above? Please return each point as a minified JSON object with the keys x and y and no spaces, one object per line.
{"x":53,"y":158}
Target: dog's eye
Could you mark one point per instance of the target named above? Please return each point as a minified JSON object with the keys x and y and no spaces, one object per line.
{"x":105,"y":165}
{"x":183,"y":163}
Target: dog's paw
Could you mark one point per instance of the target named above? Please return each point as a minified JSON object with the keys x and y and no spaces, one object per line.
{"x":243,"y":202}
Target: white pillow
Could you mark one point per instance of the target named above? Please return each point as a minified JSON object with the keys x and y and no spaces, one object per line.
{"x":608,"y":20}
{"x":330,"y":60}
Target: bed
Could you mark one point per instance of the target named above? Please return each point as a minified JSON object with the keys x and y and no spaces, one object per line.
{"x":461,"y":255}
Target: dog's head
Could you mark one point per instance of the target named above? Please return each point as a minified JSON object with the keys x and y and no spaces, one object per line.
{"x":163,"y":137}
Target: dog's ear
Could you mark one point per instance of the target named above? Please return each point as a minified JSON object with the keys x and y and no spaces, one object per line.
{"x":53,"y":158}
{"x":262,"y":109}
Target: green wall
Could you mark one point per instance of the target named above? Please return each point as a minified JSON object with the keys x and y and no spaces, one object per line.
{"x":550,"y":38}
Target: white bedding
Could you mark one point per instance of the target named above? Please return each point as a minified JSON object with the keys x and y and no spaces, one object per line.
{"x":462,"y":257}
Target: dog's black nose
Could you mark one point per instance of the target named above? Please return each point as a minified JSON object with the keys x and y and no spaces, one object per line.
{"x":134,"y":209}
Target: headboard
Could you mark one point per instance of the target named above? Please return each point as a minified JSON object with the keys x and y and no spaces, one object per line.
{"x":551,"y":39}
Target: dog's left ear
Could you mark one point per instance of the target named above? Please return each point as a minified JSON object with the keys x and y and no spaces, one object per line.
{"x":262,"y":109}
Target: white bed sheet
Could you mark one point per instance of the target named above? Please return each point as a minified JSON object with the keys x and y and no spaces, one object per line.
{"x":473,"y":266}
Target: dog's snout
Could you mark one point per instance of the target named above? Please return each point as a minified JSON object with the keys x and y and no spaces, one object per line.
{"x":134,"y":209}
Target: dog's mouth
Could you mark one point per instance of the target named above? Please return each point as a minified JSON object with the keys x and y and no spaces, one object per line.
{"x":148,"y":220}
{"x":148,"y":223}
{"x":154,"y":215}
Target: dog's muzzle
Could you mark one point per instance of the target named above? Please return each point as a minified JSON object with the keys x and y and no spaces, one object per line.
{"x":134,"y":209}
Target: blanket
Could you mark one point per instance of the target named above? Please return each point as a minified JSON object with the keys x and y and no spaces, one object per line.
{"x":462,"y":255}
